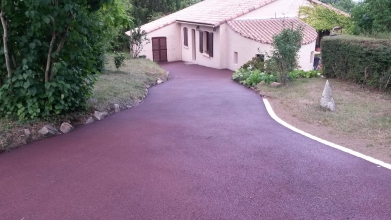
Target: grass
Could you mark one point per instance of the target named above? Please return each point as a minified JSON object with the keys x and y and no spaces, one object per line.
{"x":362,"y":114}
{"x":125,"y":86}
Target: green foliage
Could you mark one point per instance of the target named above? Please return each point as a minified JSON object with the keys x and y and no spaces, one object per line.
{"x":295,"y":74}
{"x":361,"y":60}
{"x":138,"y":38}
{"x":372,"y":16}
{"x":146,"y":11}
{"x":322,"y":18}
{"x":344,"y":5}
{"x":255,"y":63}
{"x":251,"y":77}
{"x":119,"y":60}
{"x":116,"y":18}
{"x":55,"y":51}
{"x":286,"y":46}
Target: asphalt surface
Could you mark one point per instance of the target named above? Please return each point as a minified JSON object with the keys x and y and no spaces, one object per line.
{"x":199,"y":147}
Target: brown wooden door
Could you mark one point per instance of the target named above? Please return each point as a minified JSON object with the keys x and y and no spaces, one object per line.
{"x":159,"y":49}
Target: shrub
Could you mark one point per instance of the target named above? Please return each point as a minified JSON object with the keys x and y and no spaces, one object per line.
{"x":256,"y":63}
{"x":249,"y":77}
{"x":361,"y":60}
{"x":119,"y":59}
{"x":295,"y":74}
{"x":286,"y":46}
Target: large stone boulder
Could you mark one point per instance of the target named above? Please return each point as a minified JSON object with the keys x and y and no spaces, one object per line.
{"x":327,"y":100}
{"x":116,"y":108}
{"x":66,"y":128}
{"x":99,"y":115}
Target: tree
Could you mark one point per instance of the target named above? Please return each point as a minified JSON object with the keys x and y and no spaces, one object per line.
{"x":138,"y":38}
{"x":372,"y":16}
{"x":344,"y":5}
{"x":52,"y":51}
{"x":322,"y":18}
{"x":286,"y":46}
{"x":149,"y":10}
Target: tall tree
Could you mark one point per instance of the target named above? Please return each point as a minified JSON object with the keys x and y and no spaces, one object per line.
{"x":345,"y":5}
{"x":148,"y":10}
{"x":372,"y":16}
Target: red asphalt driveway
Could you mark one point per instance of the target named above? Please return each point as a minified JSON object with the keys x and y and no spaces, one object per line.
{"x":199,"y":147}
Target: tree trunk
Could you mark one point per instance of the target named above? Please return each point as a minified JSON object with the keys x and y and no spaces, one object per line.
{"x":5,"y":41}
{"x":48,"y":61}
{"x":59,"y":48}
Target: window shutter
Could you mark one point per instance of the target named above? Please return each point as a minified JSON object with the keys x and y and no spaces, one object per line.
{"x":185,"y":36}
{"x":201,"y":42}
{"x":210,"y":40}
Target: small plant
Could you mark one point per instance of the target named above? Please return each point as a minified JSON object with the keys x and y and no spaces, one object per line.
{"x":286,"y":46}
{"x":255,"y":63}
{"x":119,"y":60}
{"x":250,"y":77}
{"x":295,"y":74}
{"x":138,"y":38}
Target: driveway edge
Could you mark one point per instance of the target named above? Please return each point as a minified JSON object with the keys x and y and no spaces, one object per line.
{"x":328,"y":143}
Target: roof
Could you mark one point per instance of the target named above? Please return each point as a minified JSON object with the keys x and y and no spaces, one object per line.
{"x":263,"y":30}
{"x":208,"y":12}
{"x":317,"y":2}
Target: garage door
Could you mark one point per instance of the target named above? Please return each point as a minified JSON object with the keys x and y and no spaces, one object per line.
{"x":159,"y":49}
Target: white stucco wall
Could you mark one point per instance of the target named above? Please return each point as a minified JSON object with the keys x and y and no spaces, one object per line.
{"x":202,"y":59}
{"x":246,"y":49}
{"x":306,"y":56}
{"x":277,"y":9}
{"x":174,"y":50}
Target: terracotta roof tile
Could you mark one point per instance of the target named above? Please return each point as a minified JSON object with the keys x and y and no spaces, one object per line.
{"x":263,"y":30}
{"x":210,"y":12}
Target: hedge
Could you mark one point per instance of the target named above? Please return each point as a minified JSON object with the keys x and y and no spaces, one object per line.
{"x":362,"y":60}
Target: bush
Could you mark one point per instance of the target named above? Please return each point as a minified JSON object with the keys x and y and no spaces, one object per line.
{"x":362,"y":60}
{"x":119,"y":59}
{"x":255,"y":63}
{"x":295,"y":74}
{"x":250,"y":77}
{"x":286,"y":46}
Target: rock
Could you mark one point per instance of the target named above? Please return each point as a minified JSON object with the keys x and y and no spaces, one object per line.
{"x":275,"y":84}
{"x":27,"y":134}
{"x":90,"y":120}
{"x":129,"y":106}
{"x":66,"y":128}
{"x":48,"y":131}
{"x":159,"y":81}
{"x":262,"y":83}
{"x":327,"y":100}
{"x":116,"y":108}
{"x":99,"y":115}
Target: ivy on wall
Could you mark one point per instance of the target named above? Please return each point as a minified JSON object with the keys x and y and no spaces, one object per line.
{"x":322,"y":18}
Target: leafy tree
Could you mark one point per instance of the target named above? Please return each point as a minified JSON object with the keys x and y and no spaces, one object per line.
{"x":372,"y":16}
{"x":148,"y":10}
{"x":322,"y":18}
{"x":138,"y":38}
{"x":344,"y":5}
{"x":52,"y":51}
{"x":286,"y":46}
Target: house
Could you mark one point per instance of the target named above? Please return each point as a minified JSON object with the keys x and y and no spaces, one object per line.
{"x":226,"y":34}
